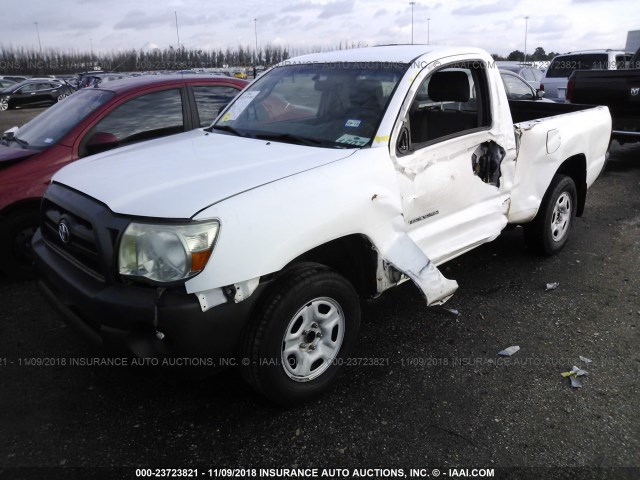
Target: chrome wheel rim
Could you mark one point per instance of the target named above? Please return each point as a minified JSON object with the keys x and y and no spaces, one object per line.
{"x":561,"y":217}
{"x":61,"y":97}
{"x":313,"y":339}
{"x":4,"y":105}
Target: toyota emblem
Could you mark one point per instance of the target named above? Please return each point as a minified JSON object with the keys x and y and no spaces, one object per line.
{"x":63,"y":232}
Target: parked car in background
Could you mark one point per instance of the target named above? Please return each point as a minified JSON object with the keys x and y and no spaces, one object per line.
{"x":6,"y":83}
{"x":562,"y":66}
{"x":13,"y":78}
{"x":90,"y":121}
{"x":533,"y":76}
{"x":240,"y":74}
{"x":93,"y":80}
{"x":34,"y":92}
{"x":518,"y":88}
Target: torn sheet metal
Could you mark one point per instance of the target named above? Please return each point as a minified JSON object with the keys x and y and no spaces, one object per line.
{"x":214,"y":297}
{"x":405,"y":255}
{"x":211,"y":298}
{"x":245,"y":289}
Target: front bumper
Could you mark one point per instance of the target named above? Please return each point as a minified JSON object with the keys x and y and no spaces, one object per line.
{"x":120,"y":317}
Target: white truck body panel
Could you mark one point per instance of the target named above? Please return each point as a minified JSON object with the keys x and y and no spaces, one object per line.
{"x":277,"y":201}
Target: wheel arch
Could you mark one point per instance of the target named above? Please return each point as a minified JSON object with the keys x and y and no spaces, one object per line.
{"x":352,"y":256}
{"x":23,"y":205}
{"x":575,"y":167}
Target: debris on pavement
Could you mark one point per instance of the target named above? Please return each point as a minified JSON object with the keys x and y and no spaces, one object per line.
{"x":573,"y":376}
{"x":552,"y":286}
{"x":585,"y":359}
{"x":449,"y":311}
{"x":507,"y":352}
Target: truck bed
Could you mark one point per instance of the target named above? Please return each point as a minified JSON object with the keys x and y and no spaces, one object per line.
{"x":526,"y":110}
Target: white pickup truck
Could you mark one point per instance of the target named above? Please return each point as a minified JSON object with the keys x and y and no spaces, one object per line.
{"x":330,"y":179}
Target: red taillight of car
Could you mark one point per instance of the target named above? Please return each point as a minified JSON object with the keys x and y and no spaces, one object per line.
{"x":570,"y":85}
{"x":541,"y":87}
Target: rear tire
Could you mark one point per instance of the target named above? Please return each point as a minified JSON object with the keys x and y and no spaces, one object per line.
{"x":4,"y":105}
{"x":16,"y":255}
{"x":303,"y":330}
{"x":549,"y":231}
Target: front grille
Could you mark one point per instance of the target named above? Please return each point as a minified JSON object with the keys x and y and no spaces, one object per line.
{"x":81,"y":247}
{"x":93,"y":231}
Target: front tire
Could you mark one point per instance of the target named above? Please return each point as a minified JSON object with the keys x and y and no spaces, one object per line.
{"x":302,"y":333}
{"x":62,"y":96}
{"x":16,"y":255}
{"x":548,"y":233}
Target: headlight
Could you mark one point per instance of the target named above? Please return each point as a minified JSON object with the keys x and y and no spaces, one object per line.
{"x":166,"y":253}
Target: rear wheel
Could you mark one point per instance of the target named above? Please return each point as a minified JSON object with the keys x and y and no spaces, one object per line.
{"x":549,"y":231}
{"x":16,"y":255}
{"x":305,"y":328}
{"x":62,"y":97}
{"x":4,"y":104}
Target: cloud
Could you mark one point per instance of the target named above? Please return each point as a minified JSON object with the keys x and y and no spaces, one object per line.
{"x":337,"y":8}
{"x":84,"y":25}
{"x":288,"y":20}
{"x":300,"y":7}
{"x":380,"y":13}
{"x":549,"y":24}
{"x":497,"y":7}
{"x":137,"y":19}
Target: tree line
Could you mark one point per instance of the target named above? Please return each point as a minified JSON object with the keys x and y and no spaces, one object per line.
{"x":53,"y":61}
{"x":538,"y":55}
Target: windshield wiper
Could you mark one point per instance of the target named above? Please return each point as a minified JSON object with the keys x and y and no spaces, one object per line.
{"x":289,"y":138}
{"x":23,"y":143}
{"x":226,"y":128}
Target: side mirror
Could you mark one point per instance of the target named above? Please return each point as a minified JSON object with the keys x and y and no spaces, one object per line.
{"x":10,"y":134}
{"x":540,"y":94}
{"x":101,"y":142}
{"x":402,"y":145}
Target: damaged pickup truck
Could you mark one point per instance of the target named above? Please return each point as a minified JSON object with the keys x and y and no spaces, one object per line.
{"x":332,"y":178}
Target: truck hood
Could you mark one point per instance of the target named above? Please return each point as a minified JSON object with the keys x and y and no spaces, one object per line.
{"x":175,"y":177}
{"x":9,"y":155}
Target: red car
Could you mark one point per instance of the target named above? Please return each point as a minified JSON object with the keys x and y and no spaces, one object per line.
{"x":93,"y":120}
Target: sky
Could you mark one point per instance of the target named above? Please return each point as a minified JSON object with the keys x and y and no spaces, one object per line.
{"x":495,"y":25}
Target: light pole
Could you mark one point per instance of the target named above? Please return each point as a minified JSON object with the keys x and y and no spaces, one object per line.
{"x":39,"y":43}
{"x":526,"y":28}
{"x":412,"y":4}
{"x":255,"y":30}
{"x":177,"y":33}
{"x":428,"y":31}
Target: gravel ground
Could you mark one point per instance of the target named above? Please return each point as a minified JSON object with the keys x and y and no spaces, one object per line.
{"x":441,"y":397}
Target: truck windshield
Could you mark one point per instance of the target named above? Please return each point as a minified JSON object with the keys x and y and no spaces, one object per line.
{"x":51,"y":125}
{"x":563,"y":67}
{"x":331,"y":105}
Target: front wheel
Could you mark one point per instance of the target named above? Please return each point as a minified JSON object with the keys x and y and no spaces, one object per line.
{"x":4,"y":104}
{"x":549,"y":231}
{"x":16,"y":233}
{"x":303,"y":332}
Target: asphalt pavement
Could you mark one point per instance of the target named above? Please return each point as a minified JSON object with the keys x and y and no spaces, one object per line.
{"x":435,"y":396}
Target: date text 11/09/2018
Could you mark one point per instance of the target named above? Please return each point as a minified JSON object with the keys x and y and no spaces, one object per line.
{"x":311,"y":473}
